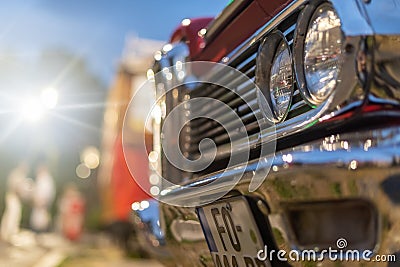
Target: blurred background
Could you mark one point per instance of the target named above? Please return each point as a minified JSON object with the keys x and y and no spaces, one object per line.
{"x":67,"y":72}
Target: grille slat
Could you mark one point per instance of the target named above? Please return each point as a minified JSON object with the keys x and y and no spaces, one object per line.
{"x":220,"y":114}
{"x":242,"y":100}
{"x":230,"y":125}
{"x":228,"y":97}
{"x":234,"y":86}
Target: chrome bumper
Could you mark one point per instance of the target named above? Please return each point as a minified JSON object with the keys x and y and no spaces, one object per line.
{"x":358,"y":165}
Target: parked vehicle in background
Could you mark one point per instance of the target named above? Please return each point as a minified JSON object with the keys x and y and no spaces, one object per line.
{"x":119,"y":191}
{"x":322,"y":88}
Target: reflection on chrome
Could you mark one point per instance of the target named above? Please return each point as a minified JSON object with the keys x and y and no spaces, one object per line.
{"x":327,"y":152}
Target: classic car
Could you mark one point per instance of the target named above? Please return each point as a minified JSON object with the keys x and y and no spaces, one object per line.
{"x":301,"y":115}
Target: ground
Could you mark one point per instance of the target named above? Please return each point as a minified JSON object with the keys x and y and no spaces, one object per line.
{"x":51,"y":250}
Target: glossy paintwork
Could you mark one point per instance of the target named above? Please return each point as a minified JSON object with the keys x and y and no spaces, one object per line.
{"x":245,"y":24}
{"x":190,"y":34}
{"x":231,"y":31}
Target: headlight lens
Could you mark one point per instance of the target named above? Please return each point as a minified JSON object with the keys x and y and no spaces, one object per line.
{"x":322,"y":53}
{"x":281,"y":81}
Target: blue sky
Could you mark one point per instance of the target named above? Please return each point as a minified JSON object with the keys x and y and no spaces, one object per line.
{"x":95,"y":29}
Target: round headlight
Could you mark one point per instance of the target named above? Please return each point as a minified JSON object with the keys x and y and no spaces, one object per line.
{"x":281,"y":81}
{"x":274,"y":76}
{"x":322,"y":54}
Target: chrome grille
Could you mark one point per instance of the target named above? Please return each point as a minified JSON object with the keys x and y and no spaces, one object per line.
{"x":205,"y":128}
{"x":246,"y":107}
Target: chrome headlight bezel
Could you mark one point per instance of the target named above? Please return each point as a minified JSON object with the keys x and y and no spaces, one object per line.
{"x":265,"y":61}
{"x":303,"y":25}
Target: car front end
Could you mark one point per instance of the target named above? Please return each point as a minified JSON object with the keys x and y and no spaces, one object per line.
{"x":313,"y":162}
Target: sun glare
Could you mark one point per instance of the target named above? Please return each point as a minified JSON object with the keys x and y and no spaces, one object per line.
{"x":32,"y":109}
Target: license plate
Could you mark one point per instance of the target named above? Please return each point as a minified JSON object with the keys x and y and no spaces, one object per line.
{"x":232,"y":233}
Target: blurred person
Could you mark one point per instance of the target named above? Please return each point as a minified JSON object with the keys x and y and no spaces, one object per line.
{"x":42,"y":198}
{"x":17,"y":188}
{"x":71,"y":213}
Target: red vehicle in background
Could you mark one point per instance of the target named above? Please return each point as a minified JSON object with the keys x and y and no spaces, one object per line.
{"x":118,"y":188}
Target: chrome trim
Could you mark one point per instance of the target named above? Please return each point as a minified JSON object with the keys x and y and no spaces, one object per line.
{"x":350,"y":92}
{"x":386,"y":81}
{"x":166,"y":60}
{"x":350,"y":95}
{"x":259,"y":34}
{"x":264,"y":63}
{"x":358,"y":162}
{"x":360,"y":165}
{"x":356,"y":23}
{"x":382,"y":150}
{"x":303,"y":25}
{"x":150,"y":232}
